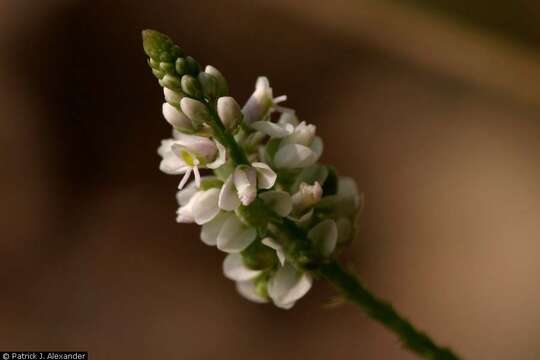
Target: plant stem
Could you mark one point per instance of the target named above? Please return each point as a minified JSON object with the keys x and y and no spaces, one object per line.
{"x":413,"y":339}
{"x":299,"y":251}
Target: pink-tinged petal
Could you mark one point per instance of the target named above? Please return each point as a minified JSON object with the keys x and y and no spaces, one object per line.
{"x":245,"y":182}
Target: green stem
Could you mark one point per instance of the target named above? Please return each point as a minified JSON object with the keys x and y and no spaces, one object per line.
{"x":415,"y":340}
{"x":226,"y":138}
{"x":300,"y":253}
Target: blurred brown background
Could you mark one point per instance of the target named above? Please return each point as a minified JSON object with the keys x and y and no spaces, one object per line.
{"x":433,"y":106}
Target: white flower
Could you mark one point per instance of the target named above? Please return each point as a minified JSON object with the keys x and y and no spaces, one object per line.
{"x":229,"y":111}
{"x":185,"y":153}
{"x":299,"y":149}
{"x":288,"y":285}
{"x":196,"y":206}
{"x":241,"y":186}
{"x":324,"y":236}
{"x":262,"y":102}
{"x":306,"y":196}
{"x":273,"y":244}
{"x":228,"y":233}
{"x":279,"y":201}
{"x":234,"y":269}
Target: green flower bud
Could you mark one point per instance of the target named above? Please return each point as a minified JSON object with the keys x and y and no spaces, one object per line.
{"x":159,"y":46}
{"x":229,"y":111}
{"x":191,"y":86}
{"x":193,"y":66}
{"x":181,"y":66}
{"x":208,"y":85}
{"x":153,"y":64}
{"x":167,"y":68}
{"x":158,"y":73}
{"x":222,"y":87}
{"x":195,"y":110}
{"x":171,"y":81}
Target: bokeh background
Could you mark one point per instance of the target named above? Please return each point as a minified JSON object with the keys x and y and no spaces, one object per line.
{"x":432,"y":105}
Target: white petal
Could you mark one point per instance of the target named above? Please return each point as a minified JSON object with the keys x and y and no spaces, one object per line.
{"x":235,"y":269}
{"x":175,"y":117}
{"x":183,"y":196}
{"x":235,"y":236}
{"x":347,"y":188}
{"x":324,"y":235}
{"x":165,"y":147}
{"x":317,"y":148}
{"x":184,"y":214}
{"x":245,"y":182}
{"x":210,"y":230}
{"x":271,"y":243}
{"x":279,"y":201}
{"x":248,"y":290}
{"x":172,"y":164}
{"x":288,"y":285}
{"x":345,"y":229}
{"x":273,"y":130}
{"x":228,"y":198}
{"x":205,"y":205}
{"x":288,"y":118}
{"x":221,"y":158}
{"x":293,"y":156}
{"x":266,"y":177}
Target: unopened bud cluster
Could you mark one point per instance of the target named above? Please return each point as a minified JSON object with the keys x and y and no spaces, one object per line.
{"x":245,"y":202}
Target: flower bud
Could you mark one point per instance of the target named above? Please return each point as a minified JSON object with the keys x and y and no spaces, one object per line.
{"x":303,"y":134}
{"x":180,"y":66}
{"x":229,"y":111}
{"x":171,"y":81}
{"x":208,"y":85}
{"x":158,"y":73}
{"x":259,"y":104}
{"x":201,"y":146}
{"x":172,"y":97}
{"x":167,"y":67}
{"x":193,"y":66}
{"x":222,"y":87}
{"x":159,"y":46}
{"x":195,"y":110}
{"x":191,"y":86}
{"x":176,"y":118}
{"x":306,"y":196}
{"x":245,"y":182}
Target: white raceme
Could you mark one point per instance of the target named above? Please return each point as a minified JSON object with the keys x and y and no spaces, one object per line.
{"x":278,"y":151}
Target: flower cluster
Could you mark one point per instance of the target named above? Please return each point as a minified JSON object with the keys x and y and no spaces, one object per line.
{"x":264,"y":199}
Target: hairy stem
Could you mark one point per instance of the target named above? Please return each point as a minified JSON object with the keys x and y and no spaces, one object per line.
{"x":299,"y":252}
{"x":413,"y":339}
